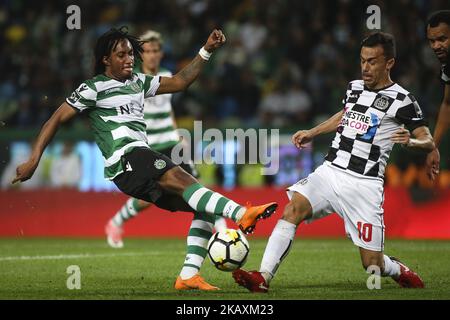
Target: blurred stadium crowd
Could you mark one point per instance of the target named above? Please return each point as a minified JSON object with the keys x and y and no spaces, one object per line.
{"x":286,"y":64}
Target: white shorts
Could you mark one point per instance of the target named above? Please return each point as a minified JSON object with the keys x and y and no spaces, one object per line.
{"x":358,"y":201}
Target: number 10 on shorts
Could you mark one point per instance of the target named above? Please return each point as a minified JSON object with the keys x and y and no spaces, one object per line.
{"x":365,"y":231}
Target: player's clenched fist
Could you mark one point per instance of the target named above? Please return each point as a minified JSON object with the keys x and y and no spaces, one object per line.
{"x":301,"y":138}
{"x":215,"y":40}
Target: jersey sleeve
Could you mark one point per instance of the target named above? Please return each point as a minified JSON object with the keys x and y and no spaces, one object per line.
{"x":151,"y":85}
{"x":83,"y":97}
{"x":445,"y":74}
{"x":347,"y":93}
{"x":410,"y":113}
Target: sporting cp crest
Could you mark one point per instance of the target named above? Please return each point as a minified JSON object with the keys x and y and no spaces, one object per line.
{"x":160,"y":164}
{"x":381,"y":103}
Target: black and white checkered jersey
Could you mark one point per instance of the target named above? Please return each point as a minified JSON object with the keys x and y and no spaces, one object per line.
{"x":362,"y":143}
{"x":445,"y":73}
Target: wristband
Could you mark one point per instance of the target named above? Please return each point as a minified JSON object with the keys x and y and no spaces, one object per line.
{"x":204,"y":54}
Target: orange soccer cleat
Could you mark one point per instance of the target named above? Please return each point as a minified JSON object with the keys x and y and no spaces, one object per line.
{"x":194,"y":283}
{"x":248,"y":221}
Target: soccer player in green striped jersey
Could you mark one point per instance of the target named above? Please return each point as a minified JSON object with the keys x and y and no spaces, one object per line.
{"x":114,"y":102}
{"x":162,"y":137}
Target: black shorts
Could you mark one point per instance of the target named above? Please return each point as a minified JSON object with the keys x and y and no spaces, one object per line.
{"x":141,"y":180}
{"x":143,"y":168}
{"x":188,"y":167}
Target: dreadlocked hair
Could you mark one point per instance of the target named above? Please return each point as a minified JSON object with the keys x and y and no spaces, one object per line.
{"x":108,"y":42}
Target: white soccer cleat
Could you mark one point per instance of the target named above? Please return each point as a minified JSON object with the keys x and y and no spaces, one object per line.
{"x":114,"y":235}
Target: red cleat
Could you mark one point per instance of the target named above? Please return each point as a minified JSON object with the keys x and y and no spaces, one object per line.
{"x":252,"y":280}
{"x":407,"y":278}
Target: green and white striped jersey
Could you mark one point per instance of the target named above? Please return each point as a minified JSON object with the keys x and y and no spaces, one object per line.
{"x":116,"y":113}
{"x":161,"y":132}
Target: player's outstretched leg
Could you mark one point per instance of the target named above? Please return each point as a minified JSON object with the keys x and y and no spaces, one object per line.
{"x":202,"y":199}
{"x":114,"y":227}
{"x":390,"y":267}
{"x":197,"y":241}
{"x":278,"y":247}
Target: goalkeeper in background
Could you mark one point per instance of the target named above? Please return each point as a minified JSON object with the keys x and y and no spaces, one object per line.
{"x":162,"y":137}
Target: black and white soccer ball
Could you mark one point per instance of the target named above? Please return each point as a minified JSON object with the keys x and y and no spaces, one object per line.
{"x":228,"y":250}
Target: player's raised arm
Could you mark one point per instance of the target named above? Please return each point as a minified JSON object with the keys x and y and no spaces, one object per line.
{"x":62,"y":114}
{"x":302,"y":137}
{"x":188,"y":74}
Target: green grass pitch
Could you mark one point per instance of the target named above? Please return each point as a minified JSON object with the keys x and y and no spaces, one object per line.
{"x":147,"y":268}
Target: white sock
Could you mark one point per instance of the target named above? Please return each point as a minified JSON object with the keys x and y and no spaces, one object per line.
{"x":197,"y":241}
{"x":191,"y":269}
{"x":240,"y":213}
{"x":391,"y":268}
{"x":202,"y":199}
{"x":277,"y":248}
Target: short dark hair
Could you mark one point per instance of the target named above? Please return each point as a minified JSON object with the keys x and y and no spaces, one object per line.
{"x":442,"y":16}
{"x":385,"y":40}
{"x":108,"y":42}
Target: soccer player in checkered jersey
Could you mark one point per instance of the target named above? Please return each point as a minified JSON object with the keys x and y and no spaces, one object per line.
{"x":438,"y":34}
{"x":114,"y":102}
{"x":162,"y":137}
{"x":377,"y":113}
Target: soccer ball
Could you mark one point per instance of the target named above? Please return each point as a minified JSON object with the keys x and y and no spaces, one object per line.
{"x":228,"y":250}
